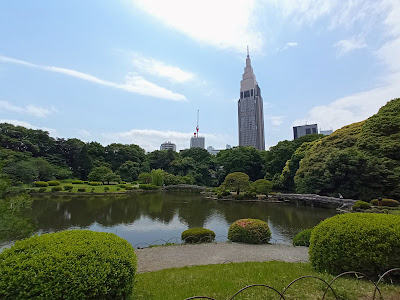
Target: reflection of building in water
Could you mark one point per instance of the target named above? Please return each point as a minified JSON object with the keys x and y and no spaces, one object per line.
{"x":299,"y":131}
{"x":168,"y":146}
{"x":250,"y":110}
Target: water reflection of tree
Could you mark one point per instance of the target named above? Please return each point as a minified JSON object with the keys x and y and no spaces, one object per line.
{"x":57,"y":213}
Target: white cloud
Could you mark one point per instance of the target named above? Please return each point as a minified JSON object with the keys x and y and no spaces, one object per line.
{"x":289,"y":45}
{"x":276,"y":120}
{"x":133,"y":83}
{"x":155,"y":67}
{"x":84,"y":133}
{"x":345,"y":46}
{"x":151,"y":140}
{"x":224,"y":24}
{"x":51,"y":131}
{"x":32,"y":110}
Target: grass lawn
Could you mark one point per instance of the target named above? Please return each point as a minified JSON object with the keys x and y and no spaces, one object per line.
{"x":223,"y":281}
{"x":88,"y":188}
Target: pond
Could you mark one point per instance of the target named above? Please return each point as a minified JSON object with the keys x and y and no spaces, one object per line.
{"x":157,"y":217}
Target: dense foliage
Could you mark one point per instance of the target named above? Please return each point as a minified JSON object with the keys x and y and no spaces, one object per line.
{"x":237,"y":182}
{"x":385,"y":202}
{"x":363,"y":242}
{"x":198,"y":235}
{"x":302,"y":238}
{"x":360,"y":161}
{"x":250,"y":231}
{"x":361,"y":205}
{"x":77,"y":264}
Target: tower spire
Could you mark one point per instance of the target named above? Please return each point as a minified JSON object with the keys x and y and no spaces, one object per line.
{"x":248,"y":51}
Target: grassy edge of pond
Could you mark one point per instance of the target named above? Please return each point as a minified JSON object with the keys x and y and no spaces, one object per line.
{"x":112,"y":188}
{"x":224,"y":280}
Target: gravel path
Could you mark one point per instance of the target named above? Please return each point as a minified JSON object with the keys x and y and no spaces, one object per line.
{"x":158,"y":258}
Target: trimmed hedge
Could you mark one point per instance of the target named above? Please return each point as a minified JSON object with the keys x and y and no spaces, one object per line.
{"x":361,"y":205}
{"x":41,"y":184}
{"x":302,"y":238}
{"x":77,"y":182}
{"x":363,"y":242}
{"x":94,"y":183}
{"x":75,"y":264}
{"x":68,"y":187}
{"x":56,"y":189}
{"x":386,"y":202}
{"x":198,"y":235}
{"x":53,"y":183}
{"x":82,"y":190}
{"x":42,"y":190}
{"x":122,"y":186}
{"x":250,"y":231}
{"x":148,"y":187}
{"x":128,"y":187}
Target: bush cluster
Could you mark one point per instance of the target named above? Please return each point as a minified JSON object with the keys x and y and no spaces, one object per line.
{"x":148,"y":187}
{"x":128,"y":187}
{"x":42,"y":190}
{"x":53,"y":183}
{"x":122,"y":186}
{"x":56,"y":189}
{"x":250,"y":231}
{"x":95,"y":183}
{"x":250,"y":195}
{"x":41,"y":184}
{"x":363,"y":242}
{"x":361,"y":205}
{"x":77,"y":182}
{"x":386,"y":202}
{"x":76,"y":264}
{"x":198,"y":235}
{"x":81,"y":190}
{"x":302,"y":238}
{"x":68,"y":187}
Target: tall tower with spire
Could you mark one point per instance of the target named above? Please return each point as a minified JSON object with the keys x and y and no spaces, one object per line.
{"x":250,"y":110}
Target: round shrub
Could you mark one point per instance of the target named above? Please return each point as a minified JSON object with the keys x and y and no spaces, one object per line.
{"x":68,"y":187}
{"x":122,"y":186}
{"x":81,"y":190}
{"x":77,"y":182}
{"x":75,"y":264}
{"x":94,"y":183}
{"x":106,"y":188}
{"x":302,"y":238}
{"x":362,"y":242}
{"x":53,"y":183}
{"x":386,"y":202}
{"x":361,"y":205}
{"x":198,"y":235}
{"x":250,"y":231}
{"x":56,"y":189}
{"x":42,"y":190}
{"x":41,"y":184}
{"x":86,"y":182}
{"x":128,"y":187}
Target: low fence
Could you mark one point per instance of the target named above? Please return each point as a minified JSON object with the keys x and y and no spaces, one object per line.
{"x":376,"y":293}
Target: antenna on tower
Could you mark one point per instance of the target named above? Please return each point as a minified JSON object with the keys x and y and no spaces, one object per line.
{"x":197,"y":127}
{"x":248,"y":51}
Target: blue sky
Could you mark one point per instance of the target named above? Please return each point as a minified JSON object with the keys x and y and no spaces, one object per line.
{"x":137,"y":71}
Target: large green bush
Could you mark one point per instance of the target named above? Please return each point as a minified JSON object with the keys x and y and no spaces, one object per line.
{"x":302,"y":238}
{"x":95,"y":183}
{"x":68,"y":187}
{"x":362,"y":242}
{"x":56,"y":189}
{"x":198,"y":235}
{"x":148,"y":187}
{"x":41,"y":184}
{"x":250,"y":231}
{"x":386,"y":202}
{"x":76,"y":264}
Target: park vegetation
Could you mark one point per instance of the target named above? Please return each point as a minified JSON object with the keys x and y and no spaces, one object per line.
{"x":249,"y":231}
{"x":360,"y":161}
{"x":198,"y":235}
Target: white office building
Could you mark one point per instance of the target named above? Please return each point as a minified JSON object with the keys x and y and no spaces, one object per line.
{"x":168,"y":146}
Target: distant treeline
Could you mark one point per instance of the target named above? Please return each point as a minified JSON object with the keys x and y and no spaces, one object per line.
{"x":361,"y":160}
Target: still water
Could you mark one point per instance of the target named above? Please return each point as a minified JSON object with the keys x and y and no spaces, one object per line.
{"x":153,"y":218}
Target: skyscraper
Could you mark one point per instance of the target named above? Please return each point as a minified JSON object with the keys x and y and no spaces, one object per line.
{"x":250,"y":110}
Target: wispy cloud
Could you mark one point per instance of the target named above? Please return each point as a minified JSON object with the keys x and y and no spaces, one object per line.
{"x":345,"y":46}
{"x":275,"y":120}
{"x":224,"y":24}
{"x":155,"y":67}
{"x":151,"y":140}
{"x":32,"y":110}
{"x":133,"y":83}
{"x":51,"y":131}
{"x":289,"y":45}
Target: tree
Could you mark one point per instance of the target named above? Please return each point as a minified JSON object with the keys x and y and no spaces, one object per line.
{"x":157,"y":177}
{"x":112,"y":177}
{"x":161,"y":159}
{"x":144,"y":178}
{"x":262,"y":186}
{"x":237,"y":181}
{"x":99,"y":174}
{"x":85,"y":163}
{"x":129,"y":170}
